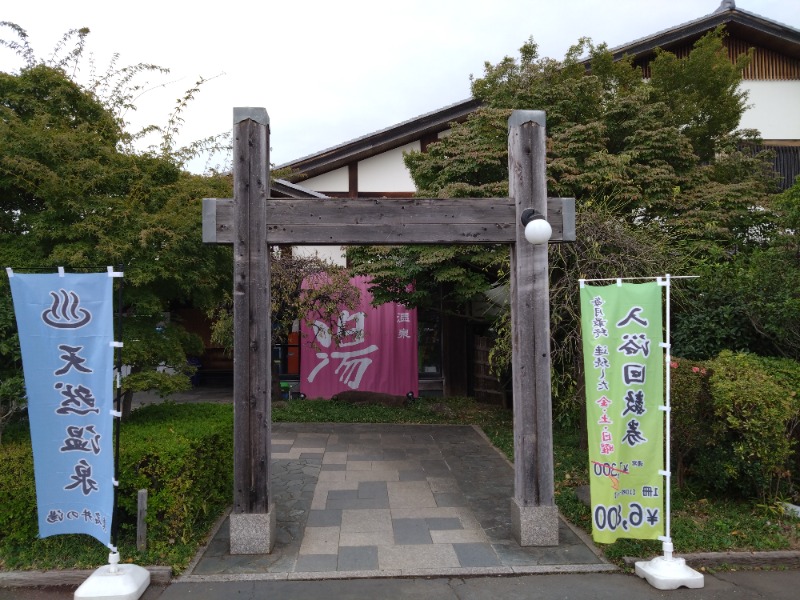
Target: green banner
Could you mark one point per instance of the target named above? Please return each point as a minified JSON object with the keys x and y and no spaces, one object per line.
{"x":624,"y":367}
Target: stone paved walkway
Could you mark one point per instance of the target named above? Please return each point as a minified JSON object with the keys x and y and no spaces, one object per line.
{"x":357,"y":500}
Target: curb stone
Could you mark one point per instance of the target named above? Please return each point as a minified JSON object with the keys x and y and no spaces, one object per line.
{"x":779,"y":558}
{"x":9,"y":579}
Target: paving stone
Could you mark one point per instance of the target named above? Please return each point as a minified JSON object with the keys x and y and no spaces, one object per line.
{"x":359,"y":465}
{"x":334,"y":458}
{"x":314,"y":441}
{"x":311,"y":455}
{"x":411,"y":531}
{"x":320,"y":540}
{"x":394,"y":454}
{"x":412,"y":475}
{"x":443,"y":485}
{"x":336,"y":447}
{"x":374,"y":475}
{"x":400,"y":465}
{"x":462,"y":481}
{"x":444,"y":523}
{"x":333,"y":467}
{"x":358,"y":558}
{"x":476,"y":555}
{"x":316,"y":562}
{"x":324,"y":518}
{"x":332,"y":475}
{"x":342,"y":494}
{"x":459,"y":536}
{"x":373,"y":489}
{"x":358,"y":503}
{"x":365,"y":521}
{"x":417,"y":557}
{"x":410,"y":494}
{"x":364,"y":456}
{"x":435,"y":468}
{"x":366,"y":538}
{"x":450,"y":500}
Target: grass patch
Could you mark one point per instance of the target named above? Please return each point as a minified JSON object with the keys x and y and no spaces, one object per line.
{"x":170,"y":444}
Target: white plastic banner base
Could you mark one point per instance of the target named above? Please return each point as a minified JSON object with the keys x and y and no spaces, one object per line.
{"x":114,"y":582}
{"x":669,"y":573}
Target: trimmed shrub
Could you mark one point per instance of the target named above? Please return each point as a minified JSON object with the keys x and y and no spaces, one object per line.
{"x":18,"y":524}
{"x":748,"y":443}
{"x":692,"y":411}
{"x":182,"y":454}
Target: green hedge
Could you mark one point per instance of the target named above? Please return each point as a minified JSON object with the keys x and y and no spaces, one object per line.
{"x":17,"y":493}
{"x":734,"y":424}
{"x":182,"y":454}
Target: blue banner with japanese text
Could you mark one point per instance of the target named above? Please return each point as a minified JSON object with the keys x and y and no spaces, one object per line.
{"x":66,"y":329}
{"x":624,"y":369}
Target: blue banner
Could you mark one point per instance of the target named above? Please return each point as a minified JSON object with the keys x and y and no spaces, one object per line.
{"x":66,"y":332}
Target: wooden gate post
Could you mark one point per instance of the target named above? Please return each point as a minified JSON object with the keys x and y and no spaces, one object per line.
{"x":252,"y":521}
{"x":533,"y":512}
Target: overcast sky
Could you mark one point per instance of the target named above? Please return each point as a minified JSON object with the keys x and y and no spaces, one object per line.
{"x":330,"y":71}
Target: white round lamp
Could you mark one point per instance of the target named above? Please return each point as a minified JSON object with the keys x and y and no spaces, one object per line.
{"x":537,"y":229}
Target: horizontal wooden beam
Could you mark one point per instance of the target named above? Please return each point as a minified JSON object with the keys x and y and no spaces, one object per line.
{"x":387,"y":221}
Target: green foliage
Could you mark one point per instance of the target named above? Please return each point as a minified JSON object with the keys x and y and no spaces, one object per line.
{"x":734,"y":419}
{"x":692,"y":412}
{"x":17,"y":494}
{"x":183,"y":456}
{"x":701,"y":91}
{"x":12,"y":388}
{"x":750,"y":301}
{"x":662,"y":182}
{"x":74,"y":192}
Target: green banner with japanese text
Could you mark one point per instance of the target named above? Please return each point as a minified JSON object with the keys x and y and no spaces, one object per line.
{"x":623,"y":362}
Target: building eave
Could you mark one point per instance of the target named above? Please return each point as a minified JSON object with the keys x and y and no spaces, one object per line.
{"x":378,"y":142}
{"x":754,"y":28}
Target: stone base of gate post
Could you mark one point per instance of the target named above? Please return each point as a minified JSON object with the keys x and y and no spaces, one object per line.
{"x":534,"y":525}
{"x":253,"y":533}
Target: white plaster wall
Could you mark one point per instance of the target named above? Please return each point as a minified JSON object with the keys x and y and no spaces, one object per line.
{"x":334,"y":254}
{"x":333,"y":181}
{"x":386,"y":172}
{"x":774,"y":109}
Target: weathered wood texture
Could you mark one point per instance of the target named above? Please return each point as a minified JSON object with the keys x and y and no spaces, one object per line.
{"x":375,"y":221}
{"x":530,"y":318}
{"x":141,"y":521}
{"x":251,"y":312}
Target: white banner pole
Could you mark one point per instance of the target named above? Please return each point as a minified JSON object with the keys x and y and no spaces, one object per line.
{"x":667,"y":572}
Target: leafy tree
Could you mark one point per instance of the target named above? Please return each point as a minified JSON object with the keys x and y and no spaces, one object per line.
{"x":702,"y":92}
{"x":74,"y":193}
{"x":656,"y":167}
{"x":751,"y":301}
{"x":303,"y":288}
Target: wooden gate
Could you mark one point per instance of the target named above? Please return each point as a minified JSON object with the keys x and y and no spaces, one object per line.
{"x":252,"y":221}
